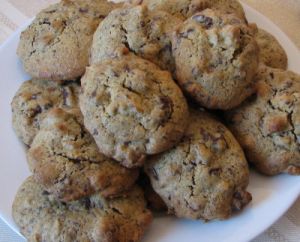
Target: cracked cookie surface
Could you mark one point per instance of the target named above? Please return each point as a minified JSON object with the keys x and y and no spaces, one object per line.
{"x":92,"y":219}
{"x":137,"y":30}
{"x":204,"y":176}
{"x":271,"y":53}
{"x":216,"y":58}
{"x":56,"y":44}
{"x":268,"y":124}
{"x":65,"y":160}
{"x":186,"y":8}
{"x":33,"y":101}
{"x":132,"y":109}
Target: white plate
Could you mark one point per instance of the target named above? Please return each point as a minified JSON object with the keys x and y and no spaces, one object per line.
{"x":271,"y":196}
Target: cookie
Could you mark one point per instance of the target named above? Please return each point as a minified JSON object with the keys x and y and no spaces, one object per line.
{"x":132,"y":109}
{"x":186,"y":8}
{"x":271,"y":52}
{"x":205,"y":176}
{"x":268,"y":124}
{"x":65,"y":160}
{"x":34,"y":99}
{"x":56,"y":44}
{"x":136,"y":30}
{"x":216,"y":58}
{"x":97,"y":219}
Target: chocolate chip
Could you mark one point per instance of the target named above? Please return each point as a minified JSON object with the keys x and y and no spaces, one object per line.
{"x":116,"y":211}
{"x":83,"y":10}
{"x":95,"y":132}
{"x":215,"y":171}
{"x":94,"y":93}
{"x":288,"y":84}
{"x":45,"y":193}
{"x":205,"y":135}
{"x":167,"y":107}
{"x":126,"y":68}
{"x":166,"y":102}
{"x":115,"y":74}
{"x":48,"y":106}
{"x":65,"y":94}
{"x":87,"y":203}
{"x":237,"y":195}
{"x":204,"y":20}
{"x":143,"y":24}
{"x":102,"y":16}
{"x":37,"y":110}
{"x":46,"y":21}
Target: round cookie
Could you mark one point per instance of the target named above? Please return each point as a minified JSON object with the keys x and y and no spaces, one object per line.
{"x":205,"y":176}
{"x":186,"y":8}
{"x":271,"y":52}
{"x":56,"y":44}
{"x":268,"y":124}
{"x":41,"y":218}
{"x":136,"y":30}
{"x":216,"y":58}
{"x":34,"y":99}
{"x":65,"y":160}
{"x":132,"y":109}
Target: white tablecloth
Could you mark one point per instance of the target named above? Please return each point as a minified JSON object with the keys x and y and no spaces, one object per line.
{"x":285,"y":13}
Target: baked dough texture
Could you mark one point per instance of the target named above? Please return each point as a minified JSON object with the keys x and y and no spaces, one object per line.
{"x":132,"y":109}
{"x":55,"y":46}
{"x":205,"y":176}
{"x":90,"y":219}
{"x":216,"y":58}
{"x":65,"y":160}
{"x":268,"y":124}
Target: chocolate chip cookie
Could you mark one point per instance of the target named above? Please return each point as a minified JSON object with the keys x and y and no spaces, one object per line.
{"x":206,"y":175}
{"x":136,"y":30}
{"x":132,"y":109}
{"x":186,"y":8}
{"x":216,"y":58}
{"x":34,"y":99}
{"x":65,"y":160}
{"x":56,"y":44}
{"x":41,"y":218}
{"x":271,"y":52}
{"x":268,"y":124}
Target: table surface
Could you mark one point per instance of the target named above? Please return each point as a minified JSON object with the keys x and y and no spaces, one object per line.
{"x":284,"y":13}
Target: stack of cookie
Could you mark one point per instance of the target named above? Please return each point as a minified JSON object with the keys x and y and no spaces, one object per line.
{"x":140,"y":93}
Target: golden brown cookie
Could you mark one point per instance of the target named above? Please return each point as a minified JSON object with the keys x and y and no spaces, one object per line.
{"x":268,"y":124}
{"x":132,"y":109}
{"x":271,"y":53}
{"x":65,"y":160}
{"x":205,"y":176}
{"x":33,"y":101}
{"x":136,"y":30}
{"x":216,"y":58}
{"x":55,"y":46}
{"x":41,"y":218}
